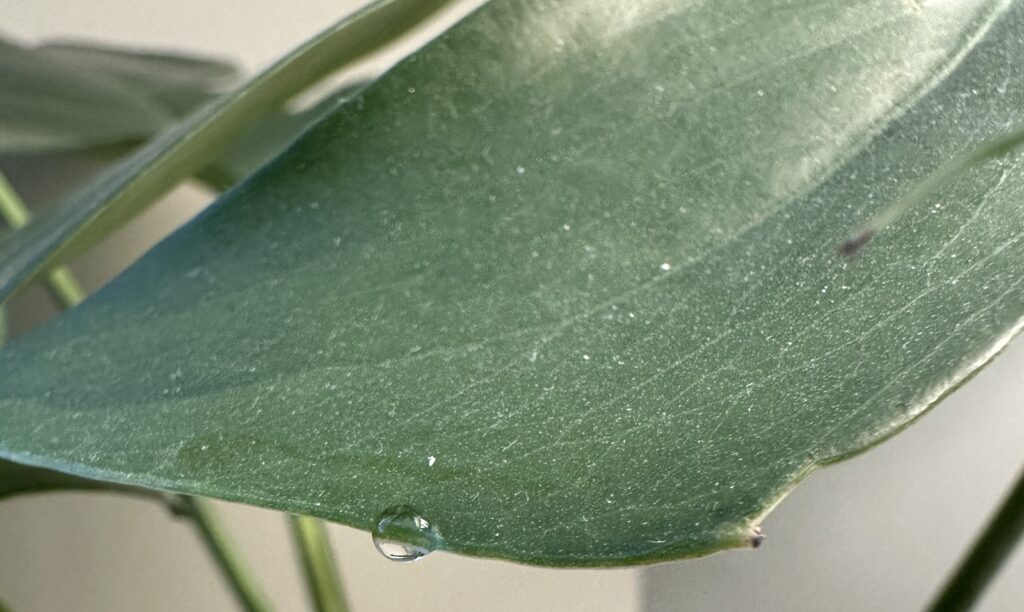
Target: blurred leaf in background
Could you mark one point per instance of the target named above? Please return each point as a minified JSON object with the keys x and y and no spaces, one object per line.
{"x":71,"y":97}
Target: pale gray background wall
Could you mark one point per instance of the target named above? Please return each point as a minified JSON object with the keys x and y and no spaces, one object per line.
{"x":876,"y":533}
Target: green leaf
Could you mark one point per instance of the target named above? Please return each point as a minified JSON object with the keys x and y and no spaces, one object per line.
{"x":68,"y":97}
{"x":567,"y":284}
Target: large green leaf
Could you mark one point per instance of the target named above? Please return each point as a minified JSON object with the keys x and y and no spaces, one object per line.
{"x":69,"y":97}
{"x":567,"y":283}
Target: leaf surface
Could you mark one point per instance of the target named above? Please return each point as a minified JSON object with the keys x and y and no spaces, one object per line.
{"x":567,"y":283}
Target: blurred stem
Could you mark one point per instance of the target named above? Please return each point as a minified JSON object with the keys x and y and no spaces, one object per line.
{"x":201,"y":511}
{"x":322,"y":577}
{"x":990,"y":550}
{"x":16,"y":215}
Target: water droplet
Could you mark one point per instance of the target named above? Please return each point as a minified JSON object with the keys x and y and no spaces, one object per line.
{"x":403,"y":535}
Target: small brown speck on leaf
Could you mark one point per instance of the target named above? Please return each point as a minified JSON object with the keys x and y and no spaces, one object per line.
{"x":852,"y":246}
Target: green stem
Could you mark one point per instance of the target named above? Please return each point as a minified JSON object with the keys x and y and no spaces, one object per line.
{"x":989,"y":552}
{"x":325,"y":587}
{"x":13,"y":209}
{"x":65,"y":287}
{"x":16,"y":215}
{"x":201,"y":511}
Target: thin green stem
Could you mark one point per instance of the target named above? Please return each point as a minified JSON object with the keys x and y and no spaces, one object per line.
{"x":987,"y":555}
{"x":213,"y":534}
{"x":322,"y":575}
{"x":65,"y":287}
{"x":16,"y":215}
{"x":13,"y":209}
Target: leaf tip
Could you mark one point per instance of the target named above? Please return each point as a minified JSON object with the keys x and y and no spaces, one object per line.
{"x":756,"y":537}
